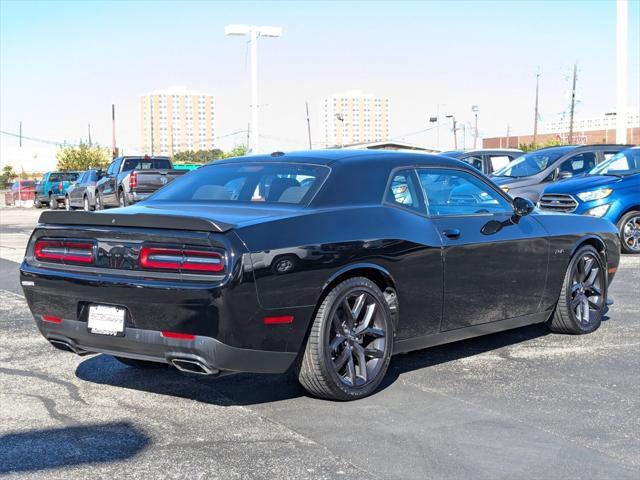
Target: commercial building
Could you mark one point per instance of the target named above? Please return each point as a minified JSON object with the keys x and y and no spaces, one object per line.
{"x":175,"y":120}
{"x":588,"y":130}
{"x":355,"y":117}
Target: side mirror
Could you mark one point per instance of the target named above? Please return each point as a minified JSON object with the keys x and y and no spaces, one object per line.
{"x":521,"y":208}
{"x":563,"y":175}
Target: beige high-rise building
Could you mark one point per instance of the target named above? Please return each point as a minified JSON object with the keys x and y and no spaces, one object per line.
{"x":355,"y":117}
{"x":175,"y":120}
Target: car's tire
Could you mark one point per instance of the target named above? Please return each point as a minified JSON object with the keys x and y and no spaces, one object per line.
{"x":86,"y":206}
{"x":67,"y":203}
{"x":349,"y":346}
{"x":122,"y":199}
{"x":141,"y":364}
{"x":583,"y":298}
{"x":629,"y":228}
{"x":99,"y":204}
{"x":37,"y":203}
{"x":53,"y":203}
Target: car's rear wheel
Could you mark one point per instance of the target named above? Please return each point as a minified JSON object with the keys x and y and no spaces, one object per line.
{"x":85,"y":204}
{"x":53,"y":203}
{"x":67,"y":203}
{"x":122,"y":199}
{"x":99,"y":204}
{"x":141,"y":364}
{"x":349,"y":347}
{"x":629,"y":228}
{"x":583,"y":297}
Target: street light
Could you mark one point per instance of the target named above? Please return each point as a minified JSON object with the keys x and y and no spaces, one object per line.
{"x":253,"y":32}
{"x":475,"y":109}
{"x":455,"y":136}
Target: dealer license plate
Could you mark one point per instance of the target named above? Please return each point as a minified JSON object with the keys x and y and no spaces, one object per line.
{"x":105,"y":320}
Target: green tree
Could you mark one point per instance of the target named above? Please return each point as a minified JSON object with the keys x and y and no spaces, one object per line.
{"x":82,"y":157}
{"x":7,"y":176}
{"x":198,"y":156}
{"x":530,"y":147}
{"x":237,"y":151}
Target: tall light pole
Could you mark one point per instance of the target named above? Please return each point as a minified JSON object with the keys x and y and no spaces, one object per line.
{"x":254,"y":32}
{"x":622,"y":25}
{"x":475,"y":109}
{"x":455,"y":135}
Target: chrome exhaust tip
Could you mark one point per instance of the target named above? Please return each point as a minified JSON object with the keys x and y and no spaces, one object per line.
{"x":186,"y":365}
{"x":66,"y":346}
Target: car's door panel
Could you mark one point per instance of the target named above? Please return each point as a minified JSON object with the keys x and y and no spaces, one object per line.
{"x":476,"y":264}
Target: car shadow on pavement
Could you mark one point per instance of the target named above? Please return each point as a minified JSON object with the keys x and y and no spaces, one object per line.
{"x":251,"y":389}
{"x":44,"y":449}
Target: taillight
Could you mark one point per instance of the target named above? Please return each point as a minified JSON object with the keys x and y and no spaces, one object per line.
{"x":188,"y":260}
{"x":133,"y":180}
{"x":60,"y":187}
{"x":66,"y":251}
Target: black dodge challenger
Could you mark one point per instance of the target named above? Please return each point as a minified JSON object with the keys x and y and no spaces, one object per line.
{"x":326,"y":262}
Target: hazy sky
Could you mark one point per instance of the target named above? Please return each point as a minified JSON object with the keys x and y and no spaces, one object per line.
{"x":64,"y":63}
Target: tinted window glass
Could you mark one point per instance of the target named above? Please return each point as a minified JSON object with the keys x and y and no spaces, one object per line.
{"x":623,"y":163}
{"x":63,"y":177}
{"x":247,"y":182}
{"x":530,"y":163}
{"x":146,"y":164}
{"x":452,"y":192}
{"x":475,"y":162}
{"x":499,"y":161}
{"x":578,"y":164}
{"x":402,"y":190}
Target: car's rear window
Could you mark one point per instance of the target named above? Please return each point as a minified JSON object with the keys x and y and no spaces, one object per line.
{"x":64,"y":177}
{"x":286,"y":183}
{"x":146,"y":164}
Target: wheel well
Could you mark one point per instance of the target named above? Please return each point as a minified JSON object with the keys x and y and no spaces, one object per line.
{"x":596,"y":243}
{"x":632,"y":208}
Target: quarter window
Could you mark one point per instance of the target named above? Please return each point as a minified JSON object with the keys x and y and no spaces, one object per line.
{"x":402,"y":190}
{"x":578,"y":164}
{"x":453,"y":192}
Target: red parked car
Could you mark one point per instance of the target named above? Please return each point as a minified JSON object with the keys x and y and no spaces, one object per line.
{"x":23,"y":190}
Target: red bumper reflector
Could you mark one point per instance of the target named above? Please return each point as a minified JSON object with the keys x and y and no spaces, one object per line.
{"x":278,"y":320}
{"x":612,"y":270}
{"x":51,"y":318}
{"x":178,"y":336}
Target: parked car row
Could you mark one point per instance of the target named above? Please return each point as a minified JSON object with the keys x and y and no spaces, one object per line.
{"x":126,"y":180}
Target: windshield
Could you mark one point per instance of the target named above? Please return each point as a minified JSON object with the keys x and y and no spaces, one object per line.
{"x":623,"y":163}
{"x":63,"y":177}
{"x":530,"y":163}
{"x":288,"y":183}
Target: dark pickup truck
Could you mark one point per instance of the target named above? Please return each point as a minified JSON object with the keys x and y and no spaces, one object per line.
{"x":131,"y":179}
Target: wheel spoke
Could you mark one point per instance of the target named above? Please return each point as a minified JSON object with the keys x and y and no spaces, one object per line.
{"x":342,"y":359}
{"x":588,"y":266}
{"x":373,"y":332}
{"x":351,"y":370}
{"x":593,"y":275}
{"x":348,"y":313}
{"x":575,"y":287}
{"x":373,"y":353}
{"x":338,"y":325}
{"x":580,"y":269}
{"x":336,"y":342}
{"x":362,"y":361}
{"x":366,"y":321}
{"x":593,"y":304}
{"x":594,"y":290}
{"x":357,"y":307}
{"x":585,"y":309}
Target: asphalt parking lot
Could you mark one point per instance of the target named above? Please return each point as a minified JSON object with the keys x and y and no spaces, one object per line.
{"x":521,"y":404}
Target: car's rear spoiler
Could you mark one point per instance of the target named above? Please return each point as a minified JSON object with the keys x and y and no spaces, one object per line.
{"x":142,"y":220}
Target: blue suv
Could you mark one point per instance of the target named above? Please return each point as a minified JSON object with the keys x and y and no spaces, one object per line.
{"x":611,"y":190}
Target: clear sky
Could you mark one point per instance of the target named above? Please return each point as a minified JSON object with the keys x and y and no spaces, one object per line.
{"x":63,"y":64}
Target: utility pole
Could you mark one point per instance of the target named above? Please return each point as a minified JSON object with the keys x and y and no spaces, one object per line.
{"x":573,"y":102}
{"x":308,"y":125}
{"x":455,"y":129}
{"x":114,"y":152}
{"x":535,"y":119}
{"x":475,"y":109}
{"x":89,"y":134}
{"x":508,"y":136}
{"x":622,"y":27}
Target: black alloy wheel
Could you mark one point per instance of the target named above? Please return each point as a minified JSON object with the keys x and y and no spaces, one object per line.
{"x":584,"y":294}
{"x":349,"y":347}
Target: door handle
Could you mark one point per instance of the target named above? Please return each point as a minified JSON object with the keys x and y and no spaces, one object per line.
{"x":452,"y":233}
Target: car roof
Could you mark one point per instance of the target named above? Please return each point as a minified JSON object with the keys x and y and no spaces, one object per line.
{"x":331,"y":157}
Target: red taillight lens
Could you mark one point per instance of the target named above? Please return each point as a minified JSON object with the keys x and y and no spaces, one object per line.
{"x":60,"y":187}
{"x":51,"y":319}
{"x":177,"y":335}
{"x":157,"y":258}
{"x":67,"y":251}
{"x":133,"y":180}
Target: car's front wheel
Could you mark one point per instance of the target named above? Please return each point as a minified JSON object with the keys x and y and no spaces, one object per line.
{"x":583,"y":297}
{"x":349,"y":347}
{"x":99,"y":204}
{"x":629,"y":228}
{"x":85,"y":204}
{"x":67,"y":203}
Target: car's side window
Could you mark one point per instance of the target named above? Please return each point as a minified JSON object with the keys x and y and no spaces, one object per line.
{"x":583,"y":162}
{"x":499,"y":161}
{"x":403,"y":191}
{"x":475,"y":162}
{"x":454,"y":192}
{"x":110,"y":168}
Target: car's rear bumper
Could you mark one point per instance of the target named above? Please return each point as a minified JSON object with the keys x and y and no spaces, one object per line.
{"x":150,"y":345}
{"x":134,"y":197}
